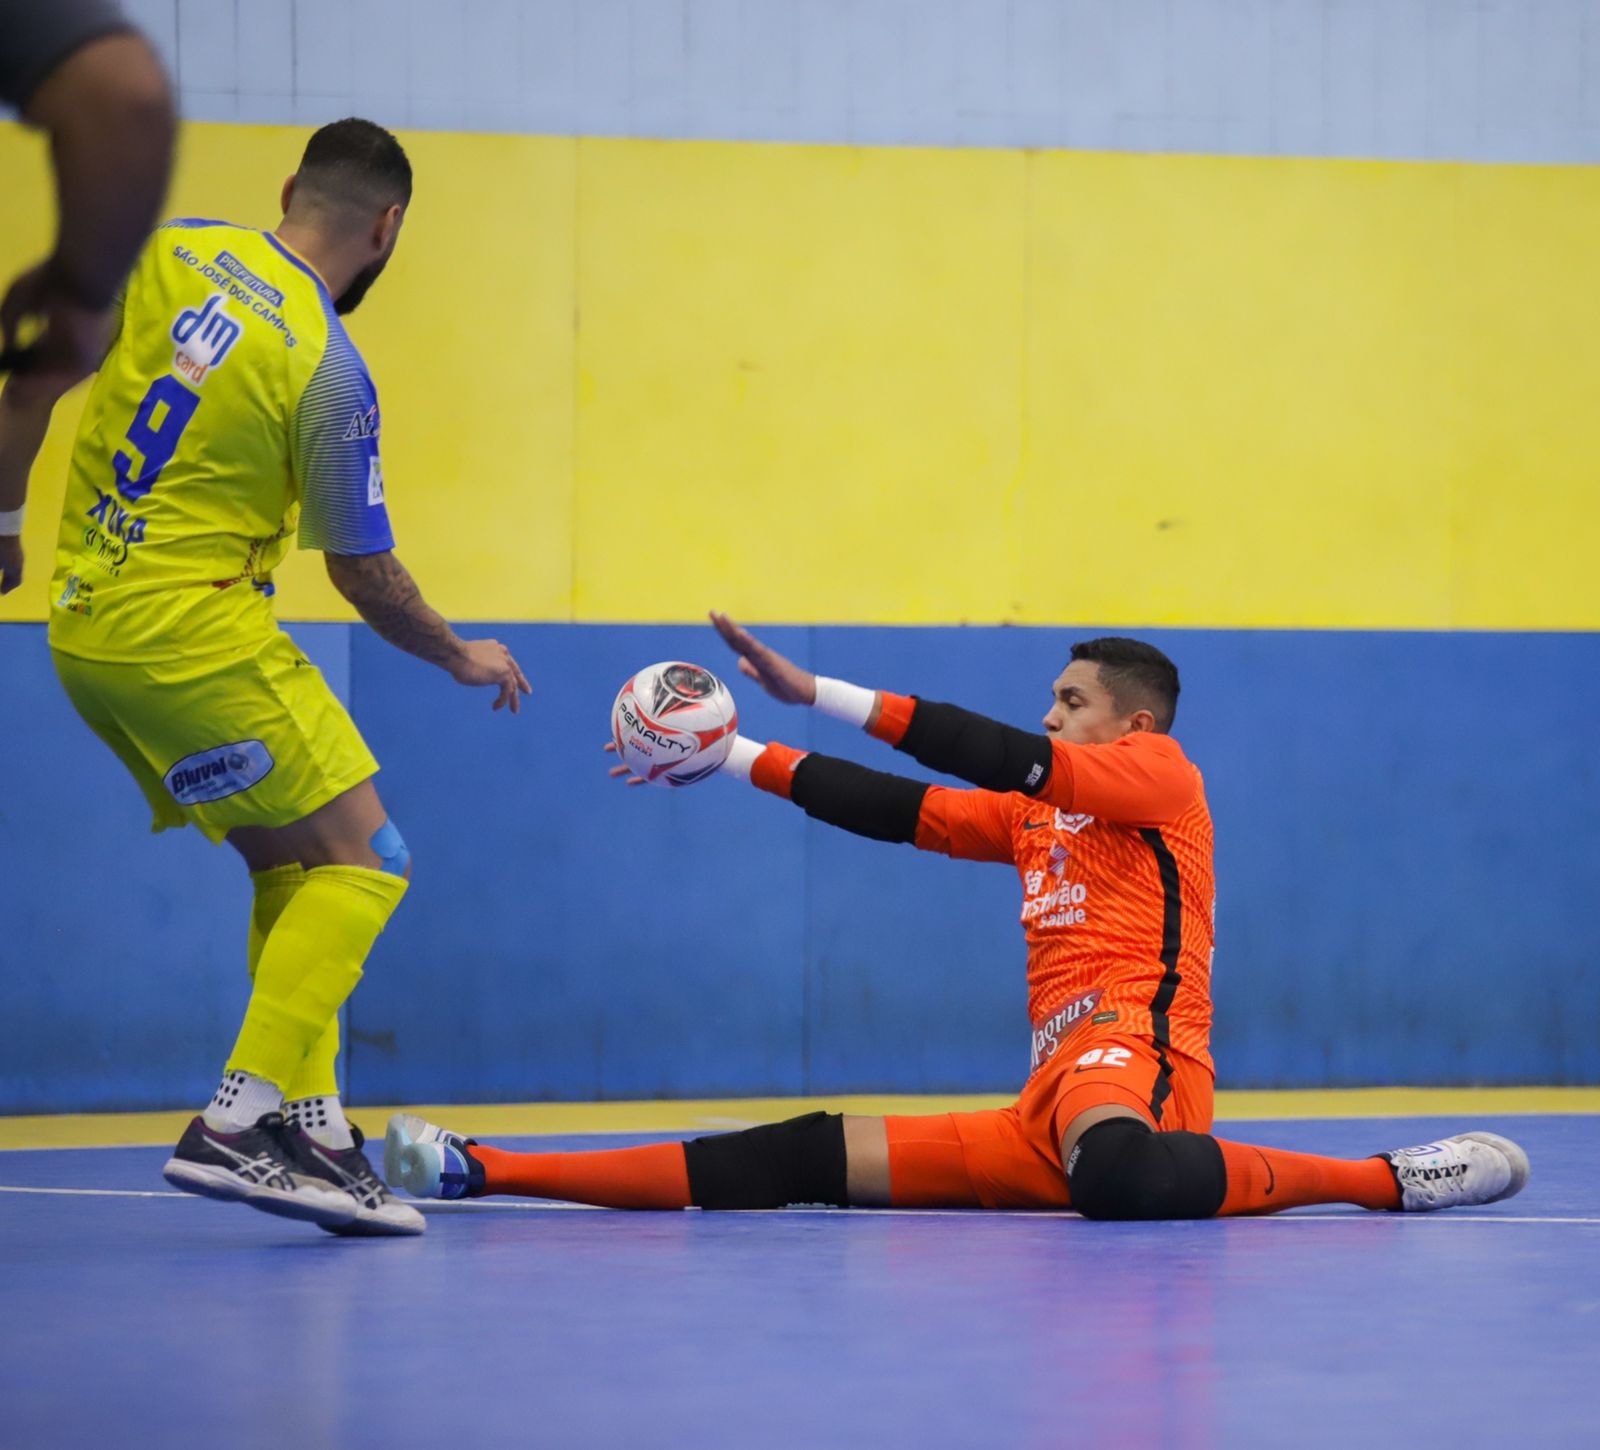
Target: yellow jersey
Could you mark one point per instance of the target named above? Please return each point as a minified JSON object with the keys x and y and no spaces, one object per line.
{"x":231,"y":412}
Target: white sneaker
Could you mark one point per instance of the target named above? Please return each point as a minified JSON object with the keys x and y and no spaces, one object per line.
{"x":429,"y":1161}
{"x":1458,"y":1172}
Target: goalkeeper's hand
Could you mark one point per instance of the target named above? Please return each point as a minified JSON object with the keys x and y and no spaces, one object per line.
{"x":781,"y":678}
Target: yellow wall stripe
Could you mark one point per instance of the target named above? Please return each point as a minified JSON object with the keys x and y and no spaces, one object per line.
{"x":491,"y":1120}
{"x":626,"y":379}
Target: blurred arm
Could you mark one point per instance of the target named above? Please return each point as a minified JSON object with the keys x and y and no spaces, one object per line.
{"x":109,"y":113}
{"x":25,"y":408}
{"x":24,"y":420}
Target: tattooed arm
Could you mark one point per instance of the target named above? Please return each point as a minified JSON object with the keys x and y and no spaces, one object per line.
{"x":384,"y":594}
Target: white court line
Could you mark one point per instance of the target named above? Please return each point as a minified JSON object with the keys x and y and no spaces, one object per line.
{"x":101,"y":1192}
{"x":547,"y":1207}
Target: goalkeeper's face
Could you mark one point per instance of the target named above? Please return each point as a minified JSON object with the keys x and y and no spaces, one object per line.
{"x":1085,"y":712}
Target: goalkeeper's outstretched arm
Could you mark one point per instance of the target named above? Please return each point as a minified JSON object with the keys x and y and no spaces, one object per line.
{"x":971,"y":825}
{"x":971,"y":747}
{"x":1139,"y":781}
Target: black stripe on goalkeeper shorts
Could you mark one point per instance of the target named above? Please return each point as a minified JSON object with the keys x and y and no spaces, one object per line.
{"x":1171,"y":944}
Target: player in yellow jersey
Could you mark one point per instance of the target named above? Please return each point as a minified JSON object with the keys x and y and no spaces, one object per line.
{"x":231,"y":413}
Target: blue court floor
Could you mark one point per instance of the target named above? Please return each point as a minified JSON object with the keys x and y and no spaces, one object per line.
{"x":137,"y":1317}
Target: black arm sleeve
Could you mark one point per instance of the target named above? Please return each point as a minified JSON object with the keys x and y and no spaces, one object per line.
{"x":868,"y":802}
{"x":977,"y":749}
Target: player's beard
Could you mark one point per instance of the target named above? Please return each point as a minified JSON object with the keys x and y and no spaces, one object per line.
{"x":350,"y":299}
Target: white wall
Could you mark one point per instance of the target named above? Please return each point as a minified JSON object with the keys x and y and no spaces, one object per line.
{"x":1468,"y":79}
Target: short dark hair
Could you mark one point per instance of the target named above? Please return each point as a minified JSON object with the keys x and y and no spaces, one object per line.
{"x":357,"y":164}
{"x":1138,"y":675}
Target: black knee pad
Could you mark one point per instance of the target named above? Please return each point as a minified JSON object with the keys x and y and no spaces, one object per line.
{"x":798,"y":1161}
{"x":1120,"y":1169}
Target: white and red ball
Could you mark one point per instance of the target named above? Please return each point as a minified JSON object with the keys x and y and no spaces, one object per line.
{"x":674,"y":723}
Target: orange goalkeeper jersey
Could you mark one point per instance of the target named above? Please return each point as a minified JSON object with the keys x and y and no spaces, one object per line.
{"x":1118,"y":888}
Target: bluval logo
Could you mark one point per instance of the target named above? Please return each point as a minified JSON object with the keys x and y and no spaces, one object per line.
{"x":224,"y":770}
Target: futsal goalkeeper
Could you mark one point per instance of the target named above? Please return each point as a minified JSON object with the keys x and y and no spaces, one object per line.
{"x":1105,"y":821}
{"x":231,"y":413}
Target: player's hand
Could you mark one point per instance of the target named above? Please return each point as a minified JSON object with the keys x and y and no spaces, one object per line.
{"x":617,"y":772}
{"x":488,"y":662}
{"x":10,"y":562}
{"x":72,"y":338}
{"x":781,"y":678}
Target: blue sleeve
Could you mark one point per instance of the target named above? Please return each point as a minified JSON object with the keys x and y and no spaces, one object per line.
{"x":336,"y":463}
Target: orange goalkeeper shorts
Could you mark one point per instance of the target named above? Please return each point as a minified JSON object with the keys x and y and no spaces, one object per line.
{"x":1011,"y":1157}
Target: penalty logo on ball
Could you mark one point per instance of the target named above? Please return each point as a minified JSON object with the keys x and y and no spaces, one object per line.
{"x":674,"y":723}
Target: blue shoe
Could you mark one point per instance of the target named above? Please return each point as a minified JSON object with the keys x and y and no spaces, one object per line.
{"x":429,"y":1161}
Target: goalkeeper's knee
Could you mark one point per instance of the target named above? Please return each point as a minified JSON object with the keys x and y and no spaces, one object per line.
{"x":1121,"y":1169}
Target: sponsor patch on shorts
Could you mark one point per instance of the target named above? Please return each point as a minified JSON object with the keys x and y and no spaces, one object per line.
{"x":1104,"y":1017}
{"x":224,"y":770}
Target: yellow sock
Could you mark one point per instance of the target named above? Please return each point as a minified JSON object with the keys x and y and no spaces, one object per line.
{"x":274,"y":890}
{"x":318,"y":1074}
{"x":309,"y":963}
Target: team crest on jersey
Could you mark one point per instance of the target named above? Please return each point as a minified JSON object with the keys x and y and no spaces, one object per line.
{"x":205,"y":336}
{"x":1072,"y":823}
{"x":362,"y":425}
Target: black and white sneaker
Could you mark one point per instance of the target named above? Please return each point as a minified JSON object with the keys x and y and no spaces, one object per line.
{"x":1458,"y":1172}
{"x":258,"y":1166}
{"x":378,"y":1212}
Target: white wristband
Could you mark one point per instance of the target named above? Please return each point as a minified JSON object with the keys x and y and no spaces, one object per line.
{"x":741,"y":756}
{"x":10,"y":522}
{"x":841,"y":700}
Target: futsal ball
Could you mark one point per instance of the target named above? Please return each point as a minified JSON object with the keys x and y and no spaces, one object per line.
{"x":674,"y":724}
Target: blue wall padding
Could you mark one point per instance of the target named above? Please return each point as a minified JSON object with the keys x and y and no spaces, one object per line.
{"x":1405,"y":828}
{"x":122,"y":968}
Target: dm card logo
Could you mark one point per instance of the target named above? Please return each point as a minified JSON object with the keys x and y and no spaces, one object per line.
{"x":205,"y":336}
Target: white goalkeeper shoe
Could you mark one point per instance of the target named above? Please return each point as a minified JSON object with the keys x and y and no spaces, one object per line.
{"x":429,"y":1161}
{"x":1458,"y":1172}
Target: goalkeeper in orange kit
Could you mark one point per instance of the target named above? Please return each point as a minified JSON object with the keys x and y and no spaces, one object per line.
{"x":1105,"y":821}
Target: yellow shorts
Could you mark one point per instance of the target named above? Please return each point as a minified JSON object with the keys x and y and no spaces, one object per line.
{"x":250,"y":738}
